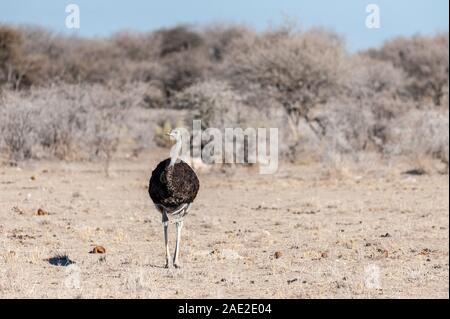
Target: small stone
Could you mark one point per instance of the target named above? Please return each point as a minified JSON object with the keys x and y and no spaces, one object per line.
{"x":41,"y":212}
{"x":98,"y":250}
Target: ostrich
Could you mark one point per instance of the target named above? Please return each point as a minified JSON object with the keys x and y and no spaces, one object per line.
{"x":173,"y":187}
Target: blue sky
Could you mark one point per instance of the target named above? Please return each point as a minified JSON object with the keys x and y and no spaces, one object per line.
{"x":347,"y":17}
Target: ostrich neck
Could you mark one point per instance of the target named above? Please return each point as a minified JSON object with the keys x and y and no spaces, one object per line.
{"x":175,"y":152}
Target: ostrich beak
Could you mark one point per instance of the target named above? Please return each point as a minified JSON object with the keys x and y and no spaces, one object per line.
{"x":171,"y":135}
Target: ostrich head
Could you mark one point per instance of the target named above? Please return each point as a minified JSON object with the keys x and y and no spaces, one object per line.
{"x":175,"y":135}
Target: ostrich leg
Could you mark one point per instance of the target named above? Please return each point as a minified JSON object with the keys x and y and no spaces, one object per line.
{"x":165,"y":221}
{"x":179,"y":226}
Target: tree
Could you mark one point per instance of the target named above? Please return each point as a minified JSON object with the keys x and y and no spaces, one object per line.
{"x":424,"y":59}
{"x":299,"y":70}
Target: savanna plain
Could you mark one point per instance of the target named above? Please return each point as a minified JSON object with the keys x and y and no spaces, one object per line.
{"x":358,"y":207}
{"x":298,"y":234}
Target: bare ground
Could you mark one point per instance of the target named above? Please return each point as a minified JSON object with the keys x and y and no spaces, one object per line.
{"x":296,"y":234}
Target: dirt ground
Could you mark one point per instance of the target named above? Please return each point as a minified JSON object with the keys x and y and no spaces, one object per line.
{"x":297,"y":234}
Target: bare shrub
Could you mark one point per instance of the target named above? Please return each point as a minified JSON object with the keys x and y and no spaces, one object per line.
{"x":348,"y":128}
{"x":137,"y":46}
{"x":73,"y":59}
{"x":155,"y":97}
{"x":17,"y":69}
{"x":366,"y":78}
{"x":66,"y":54}
{"x":66,"y":122}
{"x":219,"y":39}
{"x":94,"y":61}
{"x":17,"y":130}
{"x":297,"y":69}
{"x":104,"y":133}
{"x":178,"y":39}
{"x":146,"y":72}
{"x":84,"y":95}
{"x":183,"y":70}
{"x":372,"y":95}
{"x":10,"y":55}
{"x":212,"y":102}
{"x":424,"y":59}
{"x":420,"y":134}
{"x":125,"y":57}
{"x":56,"y":132}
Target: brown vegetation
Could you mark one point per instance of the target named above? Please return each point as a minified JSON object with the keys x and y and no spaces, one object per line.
{"x":75,"y":98}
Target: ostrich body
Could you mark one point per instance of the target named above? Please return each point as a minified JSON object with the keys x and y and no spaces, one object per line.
{"x":173,"y":187}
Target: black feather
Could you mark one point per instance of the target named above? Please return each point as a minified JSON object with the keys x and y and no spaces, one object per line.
{"x":172,"y":186}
